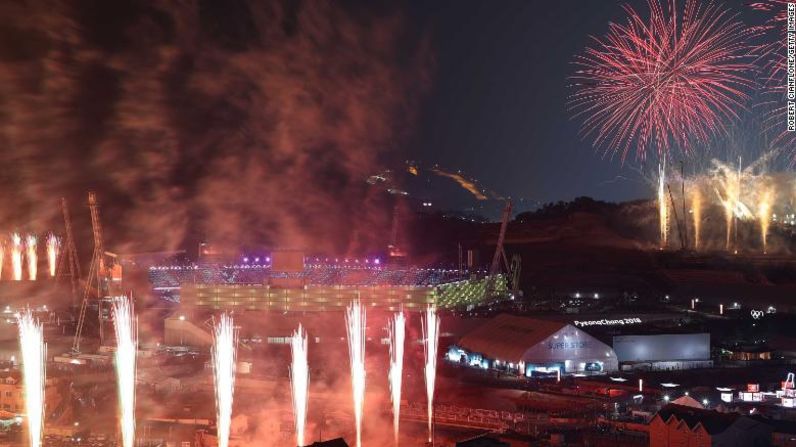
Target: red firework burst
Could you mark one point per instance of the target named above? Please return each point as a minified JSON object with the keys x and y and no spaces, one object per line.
{"x":772,"y":55}
{"x":672,"y":80}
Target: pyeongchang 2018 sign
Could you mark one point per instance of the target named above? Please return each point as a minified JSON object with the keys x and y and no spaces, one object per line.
{"x":619,"y":322}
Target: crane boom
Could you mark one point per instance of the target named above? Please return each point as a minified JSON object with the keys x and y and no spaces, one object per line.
{"x":95,"y":276}
{"x":499,"y":252}
{"x":71,"y":250}
{"x":96,"y":227}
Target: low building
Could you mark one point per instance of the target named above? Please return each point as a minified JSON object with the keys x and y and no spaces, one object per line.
{"x":482,"y":441}
{"x":747,"y":353}
{"x":531,"y":346}
{"x":679,"y":425}
{"x":783,"y":433}
{"x":338,"y":442}
{"x":12,"y":394}
{"x":663,"y":351}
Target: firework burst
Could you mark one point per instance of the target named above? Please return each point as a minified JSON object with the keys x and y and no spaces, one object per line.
{"x":126,"y":328}
{"x":34,"y":356}
{"x":431,"y":338}
{"x":395,"y":376}
{"x":670,"y":81}
{"x":300,"y":381}
{"x":355,"y":327}
{"x":224,"y":353}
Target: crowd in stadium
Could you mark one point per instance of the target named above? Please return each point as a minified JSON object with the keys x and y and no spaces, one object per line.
{"x":166,"y":280}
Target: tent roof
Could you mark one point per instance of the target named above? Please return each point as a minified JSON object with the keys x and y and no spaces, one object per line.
{"x":687,"y":401}
{"x":507,"y":337}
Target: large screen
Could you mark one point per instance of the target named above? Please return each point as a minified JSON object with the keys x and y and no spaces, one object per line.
{"x":645,"y":348}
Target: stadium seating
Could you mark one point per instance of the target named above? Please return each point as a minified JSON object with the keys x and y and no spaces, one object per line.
{"x":167,"y":280}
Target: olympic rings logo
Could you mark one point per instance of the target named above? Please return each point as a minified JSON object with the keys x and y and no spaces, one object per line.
{"x":757,"y":314}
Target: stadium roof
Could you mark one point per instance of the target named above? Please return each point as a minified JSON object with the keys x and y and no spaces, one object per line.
{"x":508,"y":337}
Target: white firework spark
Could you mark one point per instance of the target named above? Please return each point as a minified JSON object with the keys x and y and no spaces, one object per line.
{"x":431,"y":338}
{"x":300,"y":381}
{"x":397,"y":336}
{"x":355,"y":327}
{"x":34,"y":361}
{"x":126,"y":327}
{"x":224,"y":353}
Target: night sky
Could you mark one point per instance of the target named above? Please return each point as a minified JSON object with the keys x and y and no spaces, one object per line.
{"x":250,"y":122}
{"x":497,"y":106}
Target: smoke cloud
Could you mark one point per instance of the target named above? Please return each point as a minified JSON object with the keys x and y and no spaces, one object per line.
{"x":235,"y":122}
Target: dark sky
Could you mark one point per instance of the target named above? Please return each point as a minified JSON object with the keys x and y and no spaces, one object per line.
{"x":496,"y":109}
{"x":258,"y":122}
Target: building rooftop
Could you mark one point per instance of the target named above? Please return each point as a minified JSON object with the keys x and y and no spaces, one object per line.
{"x":339,"y":442}
{"x":713,"y":421}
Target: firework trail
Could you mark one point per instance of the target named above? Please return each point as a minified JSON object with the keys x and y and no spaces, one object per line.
{"x":32,"y":257}
{"x":764,"y":216}
{"x":2,"y":258}
{"x":395,"y":375}
{"x":300,"y":381}
{"x":431,"y":338}
{"x":34,"y":361}
{"x":750,"y":200}
{"x":663,"y":207}
{"x":53,"y":247}
{"x":669,"y":81}
{"x":126,"y":327}
{"x":696,"y":213}
{"x":224,"y":354}
{"x":355,"y":327}
{"x":727,"y":183}
{"x":16,"y":256}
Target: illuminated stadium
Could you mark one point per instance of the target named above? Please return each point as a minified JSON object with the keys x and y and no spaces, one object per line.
{"x":295,"y":283}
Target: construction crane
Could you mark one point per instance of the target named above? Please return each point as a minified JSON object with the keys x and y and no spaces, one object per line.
{"x":96,"y":276}
{"x":71,"y":251}
{"x":500,"y":255}
{"x":394,"y":248}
